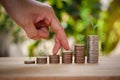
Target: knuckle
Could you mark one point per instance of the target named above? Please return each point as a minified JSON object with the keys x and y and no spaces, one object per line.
{"x":50,"y":8}
{"x":46,"y":36}
{"x":58,"y":31}
{"x":47,"y":5}
{"x":34,"y":37}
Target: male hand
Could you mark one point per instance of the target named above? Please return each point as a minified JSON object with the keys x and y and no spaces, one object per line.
{"x":35,"y":18}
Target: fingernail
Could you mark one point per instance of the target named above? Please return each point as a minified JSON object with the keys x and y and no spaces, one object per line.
{"x":67,"y":47}
{"x":54,"y":52}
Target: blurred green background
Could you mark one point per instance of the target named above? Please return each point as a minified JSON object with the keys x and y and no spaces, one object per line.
{"x":79,"y":19}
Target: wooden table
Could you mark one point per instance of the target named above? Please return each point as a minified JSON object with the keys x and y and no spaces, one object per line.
{"x":108,"y":68}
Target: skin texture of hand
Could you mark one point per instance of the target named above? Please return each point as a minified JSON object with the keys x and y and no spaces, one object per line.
{"x":35,"y":18}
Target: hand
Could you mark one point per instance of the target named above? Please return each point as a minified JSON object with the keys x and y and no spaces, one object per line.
{"x":35,"y":17}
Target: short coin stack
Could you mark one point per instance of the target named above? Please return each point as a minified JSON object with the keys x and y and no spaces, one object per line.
{"x":79,"y":53}
{"x":29,"y":62}
{"x":41,"y":60}
{"x":54,"y":59}
{"x":93,"y":50}
{"x":67,"y":57}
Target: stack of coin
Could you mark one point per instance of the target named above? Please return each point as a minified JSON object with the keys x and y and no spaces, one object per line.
{"x":29,"y":62}
{"x":79,"y":53}
{"x":93,"y":49}
{"x":67,"y":57}
{"x":54,"y":59}
{"x":41,"y":60}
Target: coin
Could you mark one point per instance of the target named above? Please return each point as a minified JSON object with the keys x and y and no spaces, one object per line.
{"x":54,"y":59}
{"x":29,"y":62}
{"x":93,"y":49}
{"x":79,"y":53}
{"x":41,"y":60}
{"x":67,"y":57}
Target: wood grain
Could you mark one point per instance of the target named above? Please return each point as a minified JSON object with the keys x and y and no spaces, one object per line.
{"x":108,"y":68}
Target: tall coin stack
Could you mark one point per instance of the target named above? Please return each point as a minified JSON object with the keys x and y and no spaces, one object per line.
{"x":54,"y":59}
{"x":93,"y":49}
{"x":79,"y":53}
{"x":67,"y":57}
{"x":41,"y":60}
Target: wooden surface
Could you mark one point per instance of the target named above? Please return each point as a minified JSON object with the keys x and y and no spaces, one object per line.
{"x":108,"y":68}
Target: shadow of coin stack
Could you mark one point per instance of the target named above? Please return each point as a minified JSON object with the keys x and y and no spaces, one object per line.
{"x":67,"y":57}
{"x":54,"y":59}
{"x":93,"y":50}
{"x":41,"y":60}
{"x":79,"y":53}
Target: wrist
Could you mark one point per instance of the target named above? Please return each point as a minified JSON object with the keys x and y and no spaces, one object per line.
{"x":7,"y":3}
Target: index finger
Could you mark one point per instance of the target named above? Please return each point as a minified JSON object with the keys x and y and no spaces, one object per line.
{"x":60,"y":33}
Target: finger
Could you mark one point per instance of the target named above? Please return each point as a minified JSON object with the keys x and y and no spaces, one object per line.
{"x":57,"y":45}
{"x":42,"y":27}
{"x":59,"y":31}
{"x":31,"y":31}
{"x":44,"y":32}
{"x":41,"y":23}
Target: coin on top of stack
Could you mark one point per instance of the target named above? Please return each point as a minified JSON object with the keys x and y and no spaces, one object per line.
{"x":67,"y":57}
{"x":54,"y":59}
{"x":93,"y":49}
{"x":79,"y":53}
{"x":41,"y":60}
